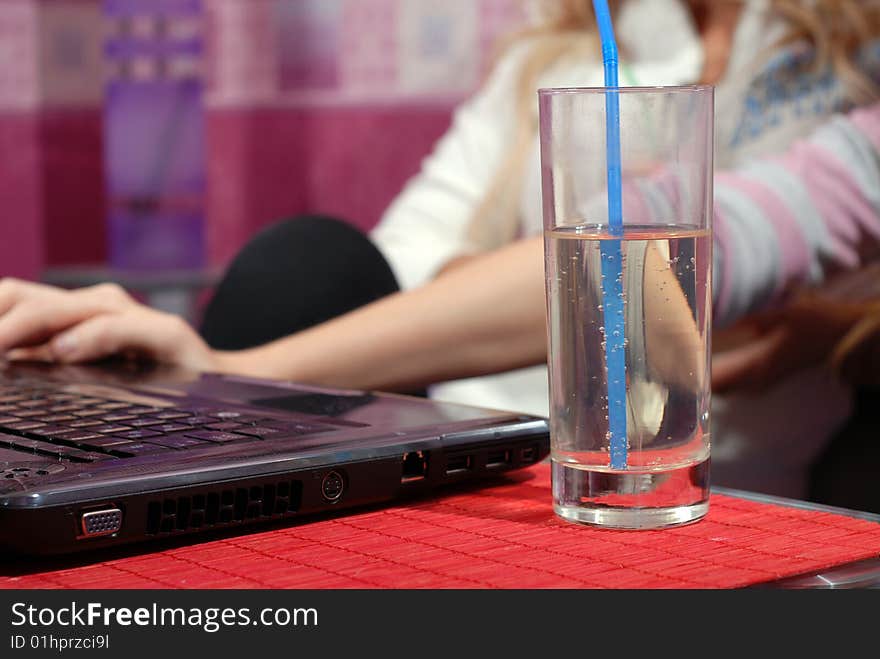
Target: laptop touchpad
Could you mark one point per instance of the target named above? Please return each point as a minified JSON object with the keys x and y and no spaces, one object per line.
{"x":318,"y":404}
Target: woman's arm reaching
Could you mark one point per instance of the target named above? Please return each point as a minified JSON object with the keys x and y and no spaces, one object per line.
{"x":791,"y":220}
{"x":485,"y":316}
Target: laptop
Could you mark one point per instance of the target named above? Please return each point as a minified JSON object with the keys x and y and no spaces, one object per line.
{"x":94,"y":457}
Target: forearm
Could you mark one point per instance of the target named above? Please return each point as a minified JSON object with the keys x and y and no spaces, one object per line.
{"x":784,"y":221}
{"x":781,"y":222}
{"x":485,"y":316}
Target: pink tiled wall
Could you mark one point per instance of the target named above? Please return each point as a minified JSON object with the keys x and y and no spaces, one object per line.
{"x":313,"y":106}
{"x":21,"y":240}
{"x":21,"y":227}
{"x":51,"y":190}
{"x":330,"y":105}
{"x":270,"y":163}
{"x":73,"y":186}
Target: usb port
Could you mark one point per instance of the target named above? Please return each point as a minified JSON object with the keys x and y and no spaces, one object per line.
{"x":498,"y":459}
{"x":457,"y":464}
{"x":528,"y":454}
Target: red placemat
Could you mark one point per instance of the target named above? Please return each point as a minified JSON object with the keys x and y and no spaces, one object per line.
{"x":504,"y":536}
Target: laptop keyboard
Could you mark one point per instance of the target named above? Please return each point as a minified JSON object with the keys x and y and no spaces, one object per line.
{"x":42,"y":418}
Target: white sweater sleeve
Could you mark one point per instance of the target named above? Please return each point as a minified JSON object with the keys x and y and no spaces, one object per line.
{"x":425,"y":226}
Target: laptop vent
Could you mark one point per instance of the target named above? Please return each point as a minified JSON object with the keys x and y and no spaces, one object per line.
{"x":214,"y":508}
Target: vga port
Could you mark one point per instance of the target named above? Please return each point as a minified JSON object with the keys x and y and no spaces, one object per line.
{"x":101,"y":522}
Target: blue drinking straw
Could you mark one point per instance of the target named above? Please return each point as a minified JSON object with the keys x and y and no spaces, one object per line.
{"x":612,"y":261}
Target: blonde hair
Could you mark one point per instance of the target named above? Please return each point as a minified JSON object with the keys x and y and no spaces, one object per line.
{"x":836,"y":29}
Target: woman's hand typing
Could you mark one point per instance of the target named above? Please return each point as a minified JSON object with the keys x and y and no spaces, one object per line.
{"x":88,"y":324}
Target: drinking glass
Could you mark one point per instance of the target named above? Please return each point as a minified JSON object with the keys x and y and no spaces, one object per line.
{"x":629,"y":308}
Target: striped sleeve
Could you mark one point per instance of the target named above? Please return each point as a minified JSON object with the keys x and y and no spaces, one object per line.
{"x":785,"y":220}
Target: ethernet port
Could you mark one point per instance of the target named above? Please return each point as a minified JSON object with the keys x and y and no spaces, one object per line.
{"x":415,"y":467}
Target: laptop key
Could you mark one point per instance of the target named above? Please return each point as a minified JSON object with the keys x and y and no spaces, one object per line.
{"x":224,"y":414}
{"x":61,"y":398}
{"x":102,"y":442}
{"x":72,"y":453}
{"x":179,"y":441}
{"x":23,"y":443}
{"x":82,"y":436}
{"x":86,"y":423}
{"x":26,"y":413}
{"x":138,"y":448}
{"x":198,"y":420}
{"x":37,"y":446}
{"x":54,"y":431}
{"x":24,"y":425}
{"x":118,"y":418}
{"x":171,"y":415}
{"x":110,"y":429}
{"x":170,"y":427}
{"x":138,"y":434}
{"x":57,"y":418}
{"x":67,"y":407}
{"x":228,"y":425}
{"x":85,"y":413}
{"x":143,"y":410}
{"x":216,"y":436}
{"x":114,"y":406}
{"x":260,"y":431}
{"x":32,"y":403}
{"x":253,"y":420}
{"x":144,"y":422}
{"x":95,"y":456}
